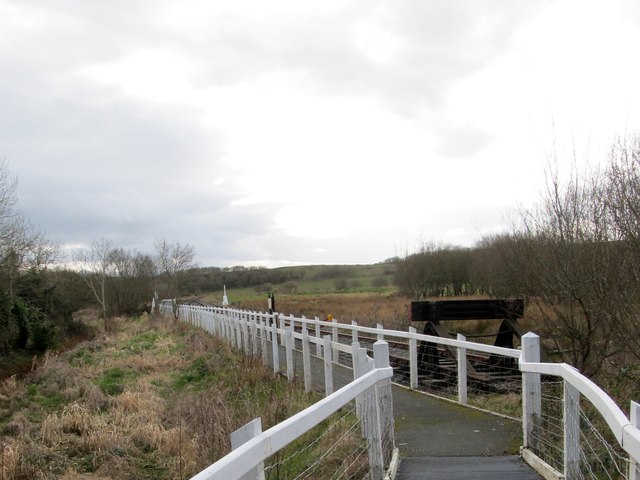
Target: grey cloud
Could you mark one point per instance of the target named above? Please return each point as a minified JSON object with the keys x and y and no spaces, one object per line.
{"x":93,"y":163}
{"x":113,"y":167}
{"x":445,"y":42}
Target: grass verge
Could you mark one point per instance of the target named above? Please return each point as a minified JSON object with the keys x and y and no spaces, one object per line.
{"x":153,"y":400}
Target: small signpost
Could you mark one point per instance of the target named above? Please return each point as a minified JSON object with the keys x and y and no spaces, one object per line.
{"x":271,"y":306}
{"x":271,"y":302}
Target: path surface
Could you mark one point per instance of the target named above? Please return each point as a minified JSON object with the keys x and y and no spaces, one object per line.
{"x":440,"y":440}
{"x":465,"y":468}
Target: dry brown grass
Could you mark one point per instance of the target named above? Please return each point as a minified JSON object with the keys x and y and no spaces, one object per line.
{"x":365,"y":308}
{"x":392,"y":311}
{"x":10,"y":461}
{"x":9,"y":386}
{"x":58,"y":422}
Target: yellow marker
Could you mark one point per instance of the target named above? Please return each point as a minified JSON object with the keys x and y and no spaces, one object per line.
{"x":329,"y":317}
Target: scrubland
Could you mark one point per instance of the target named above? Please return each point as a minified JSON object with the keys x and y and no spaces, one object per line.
{"x":152,"y":400}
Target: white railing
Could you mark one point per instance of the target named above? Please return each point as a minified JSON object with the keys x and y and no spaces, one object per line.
{"x":370,"y":386}
{"x":547,"y":408}
{"x":574,"y":453}
{"x":255,"y":451}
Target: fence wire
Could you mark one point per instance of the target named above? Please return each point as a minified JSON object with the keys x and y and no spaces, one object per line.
{"x":601,"y":457}
{"x":493,"y":382}
{"x":548,"y":433}
{"x":335,"y":449}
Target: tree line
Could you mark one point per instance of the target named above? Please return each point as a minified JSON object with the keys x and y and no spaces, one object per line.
{"x":124,"y":281}
{"x":35,"y":304}
{"x":212,"y":279}
{"x":40,"y":288}
{"x":575,"y":255}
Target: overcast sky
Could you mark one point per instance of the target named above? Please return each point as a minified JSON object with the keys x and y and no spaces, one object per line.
{"x":285,"y":132}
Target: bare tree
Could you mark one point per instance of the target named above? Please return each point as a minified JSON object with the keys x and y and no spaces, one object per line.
{"x":96,"y":265}
{"x":131,"y":287}
{"x":10,"y":219}
{"x":174,"y":258}
{"x":623,"y":202}
{"x":571,"y":255}
{"x":434,"y":270}
{"x":565,"y":244}
{"x":21,"y":245}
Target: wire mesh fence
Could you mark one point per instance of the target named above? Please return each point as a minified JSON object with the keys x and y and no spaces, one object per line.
{"x":479,"y":375}
{"x":599,"y":454}
{"x":491,"y":381}
{"x":320,"y":453}
{"x":548,"y":432}
{"x":354,"y":443}
{"x":601,"y":457}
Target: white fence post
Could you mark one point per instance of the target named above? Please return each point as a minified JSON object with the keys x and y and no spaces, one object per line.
{"x":289,"y":352}
{"x":318,"y":343}
{"x":531,"y":391}
{"x":373,"y":415}
{"x":360,"y":367}
{"x":283,"y":332}
{"x":306,"y":360}
{"x":334,"y":333}
{"x":361,"y":362}
{"x":355,"y":359}
{"x":238,"y":326}
{"x":226,"y":326}
{"x":634,"y":467}
{"x":413,"y":359}
{"x":254,"y":336}
{"x":222,"y":322}
{"x":354,"y":332}
{"x":263,"y":339}
{"x":571,"y":417}
{"x":356,"y":363}
{"x":462,"y":371}
{"x":328,"y":367}
{"x":275,"y":348}
{"x":232,"y":328}
{"x":245,"y":331}
{"x":242,"y":436}
{"x":213,"y":321}
{"x":384,"y":398}
{"x":231,"y":332}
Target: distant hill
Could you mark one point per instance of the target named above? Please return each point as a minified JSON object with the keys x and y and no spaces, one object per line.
{"x":296,"y":279}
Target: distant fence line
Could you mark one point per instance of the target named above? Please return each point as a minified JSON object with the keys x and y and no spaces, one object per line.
{"x":369,"y":385}
{"x":562,"y":438}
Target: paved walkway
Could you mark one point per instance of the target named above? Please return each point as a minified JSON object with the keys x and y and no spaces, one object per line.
{"x":440,"y":440}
